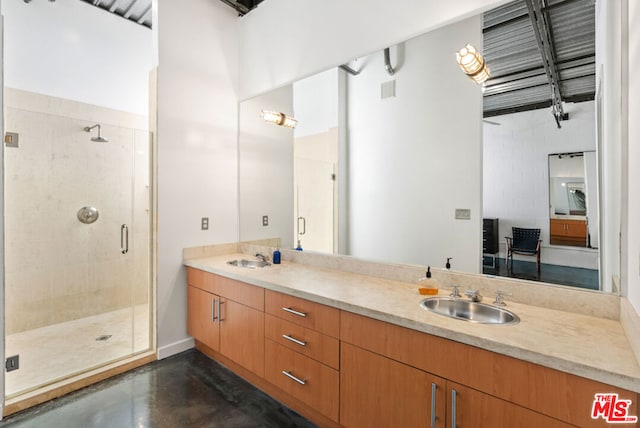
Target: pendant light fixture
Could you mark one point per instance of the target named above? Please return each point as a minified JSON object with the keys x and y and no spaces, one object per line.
{"x":472,"y":63}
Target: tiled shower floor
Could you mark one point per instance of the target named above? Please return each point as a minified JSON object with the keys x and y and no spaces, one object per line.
{"x":58,"y":351}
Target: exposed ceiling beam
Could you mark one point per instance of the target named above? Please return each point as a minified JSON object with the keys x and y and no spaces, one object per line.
{"x":540,"y":21}
{"x":242,"y":9}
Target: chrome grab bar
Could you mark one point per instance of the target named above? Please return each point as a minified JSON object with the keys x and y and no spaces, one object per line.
{"x":124,"y":239}
{"x":304,"y":225}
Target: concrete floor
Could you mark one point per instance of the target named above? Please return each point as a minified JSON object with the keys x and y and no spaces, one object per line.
{"x":186,"y":390}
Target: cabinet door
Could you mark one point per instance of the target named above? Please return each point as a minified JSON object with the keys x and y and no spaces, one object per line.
{"x":558,"y":227}
{"x":242,"y":335}
{"x":200,"y":319}
{"x":379,"y":392}
{"x":468,"y":408}
{"x":577,"y":229}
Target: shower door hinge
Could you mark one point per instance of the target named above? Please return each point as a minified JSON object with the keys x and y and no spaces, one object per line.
{"x":11,"y":139}
{"x":12,"y":363}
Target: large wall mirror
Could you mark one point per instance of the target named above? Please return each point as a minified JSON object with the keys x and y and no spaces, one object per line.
{"x":402,"y":168}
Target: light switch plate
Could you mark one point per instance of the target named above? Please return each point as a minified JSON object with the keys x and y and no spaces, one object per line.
{"x":463,"y":214}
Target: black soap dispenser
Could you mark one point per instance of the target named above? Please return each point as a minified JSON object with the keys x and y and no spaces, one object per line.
{"x":448,"y":265}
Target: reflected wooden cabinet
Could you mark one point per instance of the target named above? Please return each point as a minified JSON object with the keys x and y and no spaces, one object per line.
{"x":568,"y":232}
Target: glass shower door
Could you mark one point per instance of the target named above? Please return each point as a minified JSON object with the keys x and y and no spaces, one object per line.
{"x":77,"y":283}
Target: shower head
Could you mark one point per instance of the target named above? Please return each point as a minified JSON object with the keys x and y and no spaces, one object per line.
{"x":99,"y":138}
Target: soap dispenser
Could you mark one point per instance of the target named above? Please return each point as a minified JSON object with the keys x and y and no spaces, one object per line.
{"x":276,"y":256}
{"x":448,"y":265}
{"x":428,"y":286}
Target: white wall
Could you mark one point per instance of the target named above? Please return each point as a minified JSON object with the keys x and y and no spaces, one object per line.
{"x":633,"y":230}
{"x":2,"y":285}
{"x":516,"y":172}
{"x":197,"y":147}
{"x":73,"y":50}
{"x":315,"y":103}
{"x":266,"y":169}
{"x":285,"y":40}
{"x":411,"y":160}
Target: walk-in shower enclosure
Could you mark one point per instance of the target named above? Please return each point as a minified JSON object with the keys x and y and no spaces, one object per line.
{"x":77,"y":191}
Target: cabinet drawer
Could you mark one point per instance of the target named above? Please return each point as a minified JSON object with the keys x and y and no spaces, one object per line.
{"x":248,"y":295}
{"x":202,"y":280}
{"x":317,"y":385}
{"x":303,"y":312}
{"x":311,"y":343}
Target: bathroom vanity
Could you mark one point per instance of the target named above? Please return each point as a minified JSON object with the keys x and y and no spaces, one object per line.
{"x":353,"y":350}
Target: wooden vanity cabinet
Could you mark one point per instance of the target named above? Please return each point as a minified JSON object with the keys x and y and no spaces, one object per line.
{"x":228,"y":317}
{"x":491,"y":387}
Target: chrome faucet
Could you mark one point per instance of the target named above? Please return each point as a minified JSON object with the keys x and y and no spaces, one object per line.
{"x":474,"y":295}
{"x":262,"y":257}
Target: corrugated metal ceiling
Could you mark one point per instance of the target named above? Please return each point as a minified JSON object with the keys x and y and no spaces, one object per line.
{"x":138,"y":11}
{"x":518,"y":78}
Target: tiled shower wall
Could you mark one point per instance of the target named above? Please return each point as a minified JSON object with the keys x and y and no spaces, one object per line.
{"x":57,"y":268}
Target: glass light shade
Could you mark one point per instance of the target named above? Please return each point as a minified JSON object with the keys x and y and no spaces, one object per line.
{"x":472,"y":63}
{"x":279,"y":118}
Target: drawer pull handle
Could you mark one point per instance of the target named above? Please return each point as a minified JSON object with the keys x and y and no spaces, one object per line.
{"x":290,"y":376}
{"x":293,"y":311}
{"x":434,"y":387}
{"x":454,"y":399}
{"x":294,"y":340}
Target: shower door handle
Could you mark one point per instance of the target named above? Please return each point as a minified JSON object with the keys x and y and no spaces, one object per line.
{"x":304,"y":225}
{"x":124,"y":239}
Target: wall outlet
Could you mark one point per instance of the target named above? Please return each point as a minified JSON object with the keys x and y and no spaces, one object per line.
{"x":463,"y":214}
{"x":265,"y":220}
{"x":204,"y":223}
{"x":12,"y":363}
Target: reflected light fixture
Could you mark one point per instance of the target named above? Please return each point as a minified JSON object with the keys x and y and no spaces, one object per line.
{"x":472,"y":63}
{"x":279,"y":118}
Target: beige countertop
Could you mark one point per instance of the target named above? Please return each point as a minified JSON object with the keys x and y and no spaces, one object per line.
{"x":583,"y":345}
